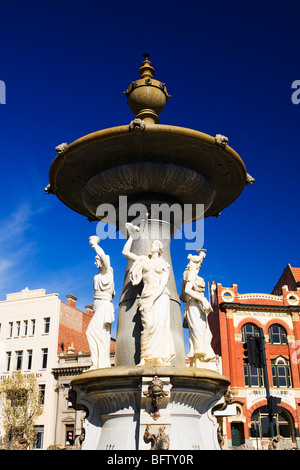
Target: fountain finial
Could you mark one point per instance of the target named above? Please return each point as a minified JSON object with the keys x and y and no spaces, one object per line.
{"x":147,"y":97}
{"x":146,"y":69}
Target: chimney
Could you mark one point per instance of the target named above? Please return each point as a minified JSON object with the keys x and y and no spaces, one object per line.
{"x":71,"y":300}
{"x":89,"y":310}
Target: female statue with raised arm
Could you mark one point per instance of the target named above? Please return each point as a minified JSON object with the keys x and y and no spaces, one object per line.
{"x":157,"y":347}
{"x":196,"y":311}
{"x":98,"y":331}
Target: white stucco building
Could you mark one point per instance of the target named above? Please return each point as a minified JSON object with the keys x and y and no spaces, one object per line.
{"x":35,"y":328}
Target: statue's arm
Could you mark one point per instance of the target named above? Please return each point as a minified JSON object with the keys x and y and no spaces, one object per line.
{"x":127,"y":247}
{"x":204,"y":304}
{"x":190,"y":291}
{"x":104,"y":258}
{"x":100,"y":252}
{"x":126,"y":250}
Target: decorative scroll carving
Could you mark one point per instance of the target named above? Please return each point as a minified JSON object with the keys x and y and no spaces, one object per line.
{"x":48,"y":189}
{"x":220,"y":438}
{"x":228,"y":399}
{"x":72,"y":397}
{"x":249,"y":179}
{"x":61,"y":148}
{"x":137,"y":125}
{"x":221,"y":140}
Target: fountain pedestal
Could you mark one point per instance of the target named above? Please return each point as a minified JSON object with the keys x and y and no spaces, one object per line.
{"x":121,"y":414}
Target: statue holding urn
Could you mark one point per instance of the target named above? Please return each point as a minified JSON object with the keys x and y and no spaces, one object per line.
{"x":197,"y":308}
{"x":157,"y":347}
{"x":98,"y":331}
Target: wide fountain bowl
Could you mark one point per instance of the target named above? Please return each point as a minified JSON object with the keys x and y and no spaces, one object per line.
{"x":147,"y":163}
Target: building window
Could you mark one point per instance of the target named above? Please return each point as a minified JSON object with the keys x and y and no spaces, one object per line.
{"x":44,"y":358}
{"x":25,"y":325}
{"x":284,"y":424}
{"x":277,"y":334}
{"x":281,"y":372}
{"x":253,"y":376}
{"x":46,"y":325}
{"x":39,"y":432}
{"x":32,"y":327}
{"x":18,"y":324}
{"x":42,"y":388}
{"x":19,"y":359}
{"x":249,"y":330}
{"x":29,"y":359}
{"x":8,"y":360}
{"x":10,"y":326}
{"x":260,"y":424}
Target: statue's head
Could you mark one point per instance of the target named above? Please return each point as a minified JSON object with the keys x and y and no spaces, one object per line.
{"x":98,"y":261}
{"x":156,"y":247}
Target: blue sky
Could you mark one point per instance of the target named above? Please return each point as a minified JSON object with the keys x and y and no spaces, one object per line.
{"x":229,"y":67}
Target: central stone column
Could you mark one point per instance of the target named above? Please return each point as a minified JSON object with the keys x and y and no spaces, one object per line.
{"x":129,"y":320}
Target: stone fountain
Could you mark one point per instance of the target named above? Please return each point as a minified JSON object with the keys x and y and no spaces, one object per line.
{"x":148,"y":400}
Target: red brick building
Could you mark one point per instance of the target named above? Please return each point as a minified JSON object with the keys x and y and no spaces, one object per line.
{"x":73,"y":324}
{"x":237,"y":316}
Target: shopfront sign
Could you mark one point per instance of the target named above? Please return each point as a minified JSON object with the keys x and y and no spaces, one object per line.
{"x":27,"y":375}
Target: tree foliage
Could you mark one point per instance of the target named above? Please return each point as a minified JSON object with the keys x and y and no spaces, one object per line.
{"x":20,"y":406}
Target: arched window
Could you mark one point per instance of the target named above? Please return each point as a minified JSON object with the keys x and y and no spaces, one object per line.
{"x":253,"y":375}
{"x":282,"y":422}
{"x":281,"y":372}
{"x":277,"y":334}
{"x":249,"y":330}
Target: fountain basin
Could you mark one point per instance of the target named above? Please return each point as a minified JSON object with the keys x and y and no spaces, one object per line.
{"x":158,"y":163}
{"x":119,"y":410}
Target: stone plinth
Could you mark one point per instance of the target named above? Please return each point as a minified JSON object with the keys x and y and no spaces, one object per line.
{"x":120,"y":409}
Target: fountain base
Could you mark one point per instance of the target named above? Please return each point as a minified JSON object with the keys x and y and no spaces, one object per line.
{"x":149,"y":408}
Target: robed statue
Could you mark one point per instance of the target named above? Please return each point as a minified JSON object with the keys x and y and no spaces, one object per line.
{"x":157,"y":346}
{"x":197,"y":309}
{"x":98,"y":332}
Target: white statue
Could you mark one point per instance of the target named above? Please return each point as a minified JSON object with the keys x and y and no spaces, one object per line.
{"x":157,"y":347}
{"x":196,"y":311}
{"x":98,"y":331}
